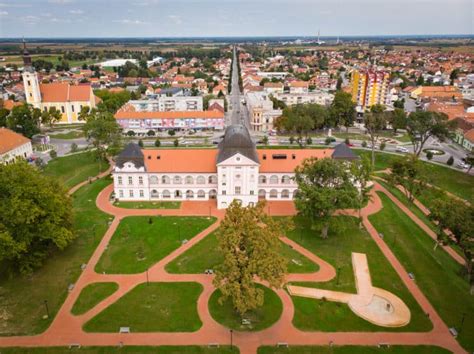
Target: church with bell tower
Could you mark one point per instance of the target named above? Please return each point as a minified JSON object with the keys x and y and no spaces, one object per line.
{"x":67,"y":98}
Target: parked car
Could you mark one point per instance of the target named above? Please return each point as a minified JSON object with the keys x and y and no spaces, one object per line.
{"x":462,"y":165}
{"x":401,"y":149}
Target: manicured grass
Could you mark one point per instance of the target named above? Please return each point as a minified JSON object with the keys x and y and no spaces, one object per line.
{"x":137,"y":244}
{"x":126,"y":350}
{"x":260,"y":318}
{"x":382,"y":160}
{"x":205,"y":255}
{"x":153,"y":307}
{"x":436,"y":273}
{"x":74,"y":169}
{"x":148,"y":205}
{"x":22,"y":297}
{"x":73,"y":134}
{"x":419,"y":349}
{"x":91,"y":295}
{"x":346,"y":237}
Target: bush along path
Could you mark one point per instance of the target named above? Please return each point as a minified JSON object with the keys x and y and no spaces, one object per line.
{"x":67,"y":328}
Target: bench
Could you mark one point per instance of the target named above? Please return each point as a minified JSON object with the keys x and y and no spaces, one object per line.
{"x":246,"y":322}
{"x":384,"y":345}
{"x":70,"y":287}
{"x":208,"y":271}
{"x":282,"y":345}
{"x":124,"y":330}
{"x":74,"y":345}
{"x":411,"y":276}
{"x":453,"y":332}
{"x":213,"y":345}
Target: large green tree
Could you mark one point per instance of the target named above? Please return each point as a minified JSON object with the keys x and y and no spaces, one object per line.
{"x":375,"y":121}
{"x":342,"y":110}
{"x":408,"y":172}
{"x":35,"y":217}
{"x":249,"y":242}
{"x":423,"y":125}
{"x":25,"y":120}
{"x":324,"y":186}
{"x":397,"y":119}
{"x":361,"y":175}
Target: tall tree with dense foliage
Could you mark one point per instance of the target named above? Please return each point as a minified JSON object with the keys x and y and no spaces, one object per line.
{"x":442,"y":211}
{"x":408,"y":172}
{"x":397,"y":119}
{"x":25,"y":120}
{"x":249,"y":242}
{"x":324,"y":186}
{"x":342,"y":110}
{"x":111,"y":101}
{"x":35,"y":217}
{"x":103,"y":131}
{"x":423,"y":125}
{"x":361,"y":175}
{"x":374,"y":122}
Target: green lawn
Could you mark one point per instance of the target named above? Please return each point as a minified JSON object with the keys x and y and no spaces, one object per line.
{"x":22,"y":297}
{"x":153,"y":307}
{"x":125,"y":350}
{"x":346,"y":237}
{"x":260,"y":318}
{"x":419,"y":349}
{"x":205,"y":255}
{"x":73,"y":134}
{"x":382,"y":160}
{"x":91,"y":295}
{"x":148,"y":205}
{"x":436,"y":273}
{"x":137,"y":244}
{"x":74,"y":169}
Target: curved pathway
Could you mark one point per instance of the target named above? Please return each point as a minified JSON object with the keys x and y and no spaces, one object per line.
{"x":100,"y":175}
{"x":67,"y":328}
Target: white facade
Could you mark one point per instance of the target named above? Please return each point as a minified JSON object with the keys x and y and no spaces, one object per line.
{"x":22,"y":151}
{"x":166,"y":104}
{"x":319,"y":97}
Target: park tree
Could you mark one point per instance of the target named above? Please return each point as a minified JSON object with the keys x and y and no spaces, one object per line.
{"x":51,"y":116}
{"x":103,"y":131}
{"x":375,"y":121}
{"x":342,"y":110}
{"x":361,"y":175}
{"x":324,"y":186}
{"x":295,"y":119}
{"x":442,"y":211}
{"x":250,"y":245}
{"x":25,"y":120}
{"x":409,"y":173}
{"x":35,"y":217}
{"x":397,"y":119}
{"x":157,"y":142}
{"x":423,"y":125}
{"x":3,"y":116}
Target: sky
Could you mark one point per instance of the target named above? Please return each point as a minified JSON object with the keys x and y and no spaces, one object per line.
{"x":221,"y":18}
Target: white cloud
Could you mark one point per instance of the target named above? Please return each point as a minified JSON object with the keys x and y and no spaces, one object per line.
{"x":30,"y":19}
{"x":131,"y":22}
{"x":176,"y":19}
{"x":3,"y":13}
{"x":3,"y":4}
{"x":76,"y":12}
{"x":60,"y":2}
{"x":146,"y":2}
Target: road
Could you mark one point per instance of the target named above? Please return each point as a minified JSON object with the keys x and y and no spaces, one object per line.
{"x":238,"y":113}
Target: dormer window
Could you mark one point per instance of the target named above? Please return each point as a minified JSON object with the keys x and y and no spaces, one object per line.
{"x":149,"y":157}
{"x":158,"y":157}
{"x":293,"y":156}
{"x":264,"y":156}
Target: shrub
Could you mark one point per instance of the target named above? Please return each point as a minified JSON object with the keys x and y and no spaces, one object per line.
{"x":364,"y":143}
{"x":157,"y":143}
{"x":176,"y":142}
{"x":292,"y":140}
{"x":53,"y":154}
{"x":171,"y":132}
{"x":150,"y":133}
{"x":347,"y":141}
{"x":140,"y":143}
{"x":328,"y":140}
{"x":73,"y":147}
{"x":131,"y":133}
{"x":450,"y":161}
{"x":429,"y":155}
{"x":309,"y":141}
{"x":382,"y":145}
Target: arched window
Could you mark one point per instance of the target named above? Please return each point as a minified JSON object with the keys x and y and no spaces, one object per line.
{"x":154,"y":180}
{"x":189,"y":180}
{"x":285,"y":179}
{"x":178,"y":194}
{"x":165,"y":180}
{"x":273,"y":193}
{"x":285,"y":193}
{"x":154,"y":193}
{"x":262,"y":194}
{"x":200,"y":180}
{"x":274,"y":179}
{"x":212,"y":194}
{"x":189,"y":194}
{"x":262,"y":179}
{"x":201,"y":194}
{"x":177,"y":180}
{"x":166,"y":194}
{"x":212,"y":179}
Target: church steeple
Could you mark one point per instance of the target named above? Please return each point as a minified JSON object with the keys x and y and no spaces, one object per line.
{"x":26,"y":57}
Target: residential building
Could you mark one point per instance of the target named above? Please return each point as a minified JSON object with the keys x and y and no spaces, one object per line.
{"x":299,"y":87}
{"x":319,"y":97}
{"x":261,"y":112}
{"x":66,"y":98}
{"x":165,"y":104}
{"x":370,"y":87}
{"x":13,"y":146}
{"x":236,"y":170}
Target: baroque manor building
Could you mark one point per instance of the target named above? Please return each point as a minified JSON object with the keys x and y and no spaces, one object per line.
{"x":235,"y":170}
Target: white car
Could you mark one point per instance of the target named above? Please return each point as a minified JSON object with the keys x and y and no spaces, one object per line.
{"x":401,"y":149}
{"x":462,"y":165}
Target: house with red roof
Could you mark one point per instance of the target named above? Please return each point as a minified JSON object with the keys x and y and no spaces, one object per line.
{"x":13,"y":146}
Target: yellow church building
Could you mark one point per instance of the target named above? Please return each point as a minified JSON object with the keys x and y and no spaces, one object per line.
{"x":66,"y":98}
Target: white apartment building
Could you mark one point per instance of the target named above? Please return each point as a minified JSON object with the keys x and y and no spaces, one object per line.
{"x":320,"y":97}
{"x":166,"y":104}
{"x":13,"y":146}
{"x":261,"y":112}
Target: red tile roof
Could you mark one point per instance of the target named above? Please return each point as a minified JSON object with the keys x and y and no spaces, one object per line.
{"x":10,"y":140}
{"x":181,"y":161}
{"x":289,"y":164}
{"x":63,"y":92}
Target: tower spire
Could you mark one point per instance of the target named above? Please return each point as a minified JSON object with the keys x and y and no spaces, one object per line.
{"x":26,"y":56}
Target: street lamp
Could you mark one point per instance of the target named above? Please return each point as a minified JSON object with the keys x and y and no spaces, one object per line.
{"x":147,"y":280}
{"x":231,"y":331}
{"x":338,"y":271}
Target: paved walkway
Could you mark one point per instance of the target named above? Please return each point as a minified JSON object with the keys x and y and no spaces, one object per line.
{"x":67,"y":329}
{"x":100,"y":175}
